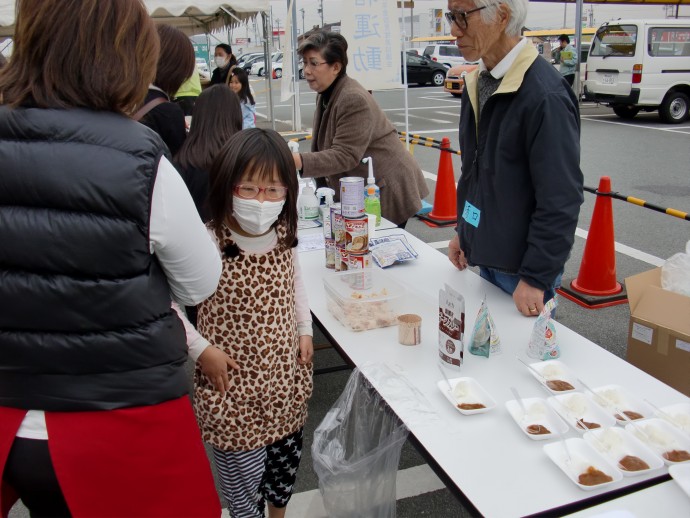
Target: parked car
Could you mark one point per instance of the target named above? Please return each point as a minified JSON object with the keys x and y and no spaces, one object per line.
{"x":246,"y":60}
{"x":447,"y":54}
{"x":636,"y":65}
{"x":455,"y":79}
{"x":278,"y":69}
{"x":422,"y":71}
{"x":259,"y":66}
{"x":202,"y":68}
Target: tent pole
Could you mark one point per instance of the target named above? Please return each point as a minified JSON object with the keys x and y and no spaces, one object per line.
{"x":296,"y":114}
{"x":403,"y":65}
{"x":578,"y":47}
{"x":268,"y":65}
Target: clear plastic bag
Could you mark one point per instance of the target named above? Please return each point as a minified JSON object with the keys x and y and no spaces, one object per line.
{"x":356,"y":451}
{"x":675,"y":273}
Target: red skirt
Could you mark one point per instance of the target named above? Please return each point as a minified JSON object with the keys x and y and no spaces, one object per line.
{"x":141,"y":461}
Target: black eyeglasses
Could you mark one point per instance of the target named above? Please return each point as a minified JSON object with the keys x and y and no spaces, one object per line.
{"x":460,"y":17}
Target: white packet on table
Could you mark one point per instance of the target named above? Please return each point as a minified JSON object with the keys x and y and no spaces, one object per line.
{"x":391,"y":250}
{"x":542,"y":343}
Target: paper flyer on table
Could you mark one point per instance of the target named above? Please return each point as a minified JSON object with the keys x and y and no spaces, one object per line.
{"x":311,"y":242}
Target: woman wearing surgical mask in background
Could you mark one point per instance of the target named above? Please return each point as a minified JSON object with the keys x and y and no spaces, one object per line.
{"x":225,"y":61}
{"x":254,"y":379}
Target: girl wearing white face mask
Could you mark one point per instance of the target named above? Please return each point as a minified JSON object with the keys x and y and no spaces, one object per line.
{"x":225,"y":61}
{"x":254,"y":379}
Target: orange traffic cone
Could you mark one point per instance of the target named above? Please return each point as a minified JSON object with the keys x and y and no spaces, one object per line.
{"x":444,"y":213}
{"x":596,"y":285}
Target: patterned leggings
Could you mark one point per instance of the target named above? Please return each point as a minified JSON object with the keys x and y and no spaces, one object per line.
{"x":249,"y":478}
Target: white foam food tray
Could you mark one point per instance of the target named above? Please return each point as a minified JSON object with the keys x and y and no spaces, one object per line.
{"x":579,"y":406}
{"x":539,"y":418}
{"x":554,"y":371}
{"x":578,"y":458}
{"x":473,"y":393}
{"x":661,"y":437}
{"x":616,"y":443}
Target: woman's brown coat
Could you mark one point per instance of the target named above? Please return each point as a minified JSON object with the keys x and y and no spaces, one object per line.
{"x":353,"y":127}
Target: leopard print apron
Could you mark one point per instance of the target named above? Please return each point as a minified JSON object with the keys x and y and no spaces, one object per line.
{"x":252,"y":318}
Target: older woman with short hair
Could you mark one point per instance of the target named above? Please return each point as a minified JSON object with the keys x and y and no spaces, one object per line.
{"x":95,"y":418}
{"x":348,"y":126}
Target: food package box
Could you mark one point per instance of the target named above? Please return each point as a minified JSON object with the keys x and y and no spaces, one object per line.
{"x":659,"y":331}
{"x":364,"y":299}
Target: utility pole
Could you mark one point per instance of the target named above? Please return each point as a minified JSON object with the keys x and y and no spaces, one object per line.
{"x":411,"y":20}
{"x":320,"y":10}
{"x":302,"y":11}
{"x":278,"y":34}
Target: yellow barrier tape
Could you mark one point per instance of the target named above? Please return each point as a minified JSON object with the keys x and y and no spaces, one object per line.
{"x":677,"y":213}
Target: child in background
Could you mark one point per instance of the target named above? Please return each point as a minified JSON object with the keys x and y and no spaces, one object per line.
{"x":260,"y":326}
{"x":239,"y":83}
{"x":217,"y":117}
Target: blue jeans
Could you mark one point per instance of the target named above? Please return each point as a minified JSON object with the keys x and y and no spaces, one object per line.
{"x":509,"y":281}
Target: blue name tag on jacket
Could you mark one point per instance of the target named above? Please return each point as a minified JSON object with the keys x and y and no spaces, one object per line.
{"x":471,"y":214}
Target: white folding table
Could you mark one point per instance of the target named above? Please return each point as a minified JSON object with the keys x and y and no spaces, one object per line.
{"x":484,"y":459}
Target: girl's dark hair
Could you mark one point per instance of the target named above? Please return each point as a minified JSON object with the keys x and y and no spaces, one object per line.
{"x":88,"y":53}
{"x":217,"y":117}
{"x":176,"y":63}
{"x":261,"y":152}
{"x":331,"y":45}
{"x":245,"y":94}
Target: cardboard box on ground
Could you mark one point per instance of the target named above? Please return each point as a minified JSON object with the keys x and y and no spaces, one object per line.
{"x":659,"y":331}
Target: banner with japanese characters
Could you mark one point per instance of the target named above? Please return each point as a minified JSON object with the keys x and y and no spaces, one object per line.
{"x":372,"y":31}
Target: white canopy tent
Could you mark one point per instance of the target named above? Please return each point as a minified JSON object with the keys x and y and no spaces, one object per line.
{"x":191,"y":16}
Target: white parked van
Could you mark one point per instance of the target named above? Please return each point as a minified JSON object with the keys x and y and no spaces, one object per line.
{"x":448,"y":54}
{"x":638,"y":65}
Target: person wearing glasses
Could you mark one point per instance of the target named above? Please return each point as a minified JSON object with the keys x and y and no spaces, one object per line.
{"x":254,"y":374}
{"x":520,"y":191}
{"x":349,"y":126}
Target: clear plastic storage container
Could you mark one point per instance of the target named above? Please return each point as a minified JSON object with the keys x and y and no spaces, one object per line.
{"x":364,"y":299}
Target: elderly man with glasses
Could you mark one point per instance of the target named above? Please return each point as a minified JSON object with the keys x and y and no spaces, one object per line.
{"x":520,"y":192}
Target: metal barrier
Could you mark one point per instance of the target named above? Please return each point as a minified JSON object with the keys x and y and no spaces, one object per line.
{"x":425,"y":141}
{"x":642,"y":203}
{"x":436,"y":144}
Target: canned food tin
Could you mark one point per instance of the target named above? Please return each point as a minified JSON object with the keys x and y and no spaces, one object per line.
{"x":352,"y":196}
{"x":330,"y":253}
{"x":341,"y":259}
{"x":358,"y":261}
{"x":338,"y":226}
{"x":335,"y":209}
{"x":356,"y":234}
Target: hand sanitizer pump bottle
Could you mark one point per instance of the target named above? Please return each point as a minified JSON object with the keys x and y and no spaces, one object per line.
{"x":372,"y":193}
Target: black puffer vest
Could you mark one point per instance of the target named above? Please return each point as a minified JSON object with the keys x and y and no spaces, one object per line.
{"x":85,"y":318}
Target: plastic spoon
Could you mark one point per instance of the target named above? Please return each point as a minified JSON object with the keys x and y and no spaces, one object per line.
{"x":667,"y":416}
{"x":535,"y":371}
{"x":524,"y":410}
{"x":615,"y":408}
{"x":450,"y":387}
